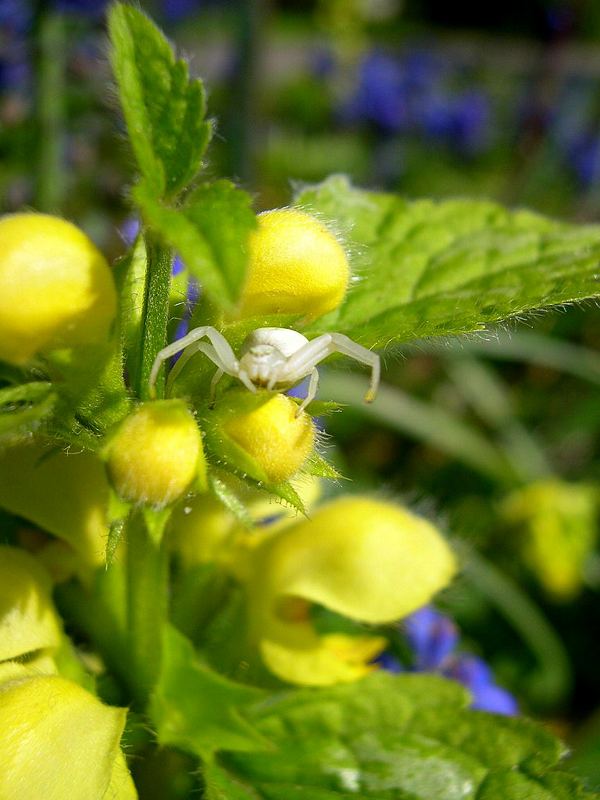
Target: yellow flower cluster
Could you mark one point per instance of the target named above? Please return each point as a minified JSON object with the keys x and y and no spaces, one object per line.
{"x":56,"y":739}
{"x":369,"y":560}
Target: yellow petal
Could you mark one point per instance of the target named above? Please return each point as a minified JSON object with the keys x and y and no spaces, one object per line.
{"x":295,"y":266}
{"x":369,"y":560}
{"x":28,"y":622}
{"x":65,"y":494}
{"x":56,"y":288}
{"x":155,"y":453}
{"x":306,"y":659}
{"x":58,"y":742}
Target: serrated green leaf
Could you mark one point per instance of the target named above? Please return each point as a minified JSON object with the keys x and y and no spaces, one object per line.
{"x":197,"y":709}
{"x":287,"y":493}
{"x":230,"y":500}
{"x":115,"y":535}
{"x":428,"y":268}
{"x":164,"y":109}
{"x":209,"y":233}
{"x":318,"y":466}
{"x":391,"y":737}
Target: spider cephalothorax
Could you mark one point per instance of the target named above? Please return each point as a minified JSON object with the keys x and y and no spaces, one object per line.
{"x":274,"y":358}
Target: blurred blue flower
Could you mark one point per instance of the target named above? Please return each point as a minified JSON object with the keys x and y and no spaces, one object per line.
{"x":433,"y":639}
{"x":476,"y":675}
{"x":583,"y":155}
{"x":176,"y":10}
{"x":413,"y":95}
{"x":380,"y":97}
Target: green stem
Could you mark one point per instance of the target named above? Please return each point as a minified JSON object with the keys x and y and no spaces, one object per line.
{"x":251,"y":17}
{"x":50,"y":73}
{"x":147,"y":591}
{"x":155,"y":314}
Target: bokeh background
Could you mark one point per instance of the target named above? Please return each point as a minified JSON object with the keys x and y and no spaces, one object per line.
{"x":496,"y":436}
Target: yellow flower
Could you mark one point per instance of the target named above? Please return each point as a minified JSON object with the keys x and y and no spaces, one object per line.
{"x":56,"y":289}
{"x":57,"y":741}
{"x":65,"y":494}
{"x":156,"y":453}
{"x":295,"y":266}
{"x":369,"y":560}
{"x":264,"y":438}
{"x":28,"y":621}
{"x":204,"y":531}
{"x":559,"y":531}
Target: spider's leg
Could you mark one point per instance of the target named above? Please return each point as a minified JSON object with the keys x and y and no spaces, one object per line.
{"x":243,"y":377}
{"x":218,"y":341}
{"x":344,"y":345}
{"x":213,"y":384}
{"x":313,"y":385}
{"x":303,"y":360}
{"x":274,"y":379}
{"x":197,"y":347}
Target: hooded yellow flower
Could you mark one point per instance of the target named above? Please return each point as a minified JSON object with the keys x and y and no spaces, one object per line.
{"x":57,"y":741}
{"x":28,"y":622}
{"x":65,"y":494}
{"x":56,"y":288}
{"x":558,"y":531}
{"x":203,"y":531}
{"x":369,"y":560}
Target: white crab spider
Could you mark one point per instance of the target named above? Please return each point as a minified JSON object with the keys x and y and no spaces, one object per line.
{"x":275,"y":358}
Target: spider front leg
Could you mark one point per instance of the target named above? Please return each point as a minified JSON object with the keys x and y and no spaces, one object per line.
{"x":307,"y":357}
{"x":221,"y":353}
{"x":311,"y":393}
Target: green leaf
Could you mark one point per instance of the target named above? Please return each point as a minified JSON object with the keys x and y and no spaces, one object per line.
{"x":428,"y":268}
{"x":24,"y":407}
{"x":195,"y":708}
{"x":209,"y":232}
{"x":320,"y":467}
{"x":164,"y":109}
{"x":391,"y":737}
{"x":229,"y":498}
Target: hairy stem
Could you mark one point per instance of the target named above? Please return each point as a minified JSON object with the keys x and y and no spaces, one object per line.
{"x":147,"y":588}
{"x":155,"y":314}
{"x":50,"y":65}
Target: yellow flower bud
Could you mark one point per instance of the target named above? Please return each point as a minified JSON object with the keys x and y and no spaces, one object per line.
{"x":56,"y":289}
{"x":369,"y":560}
{"x":28,"y":621}
{"x":58,"y":741}
{"x":264,"y":439}
{"x":156,"y":453}
{"x":295,"y":266}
